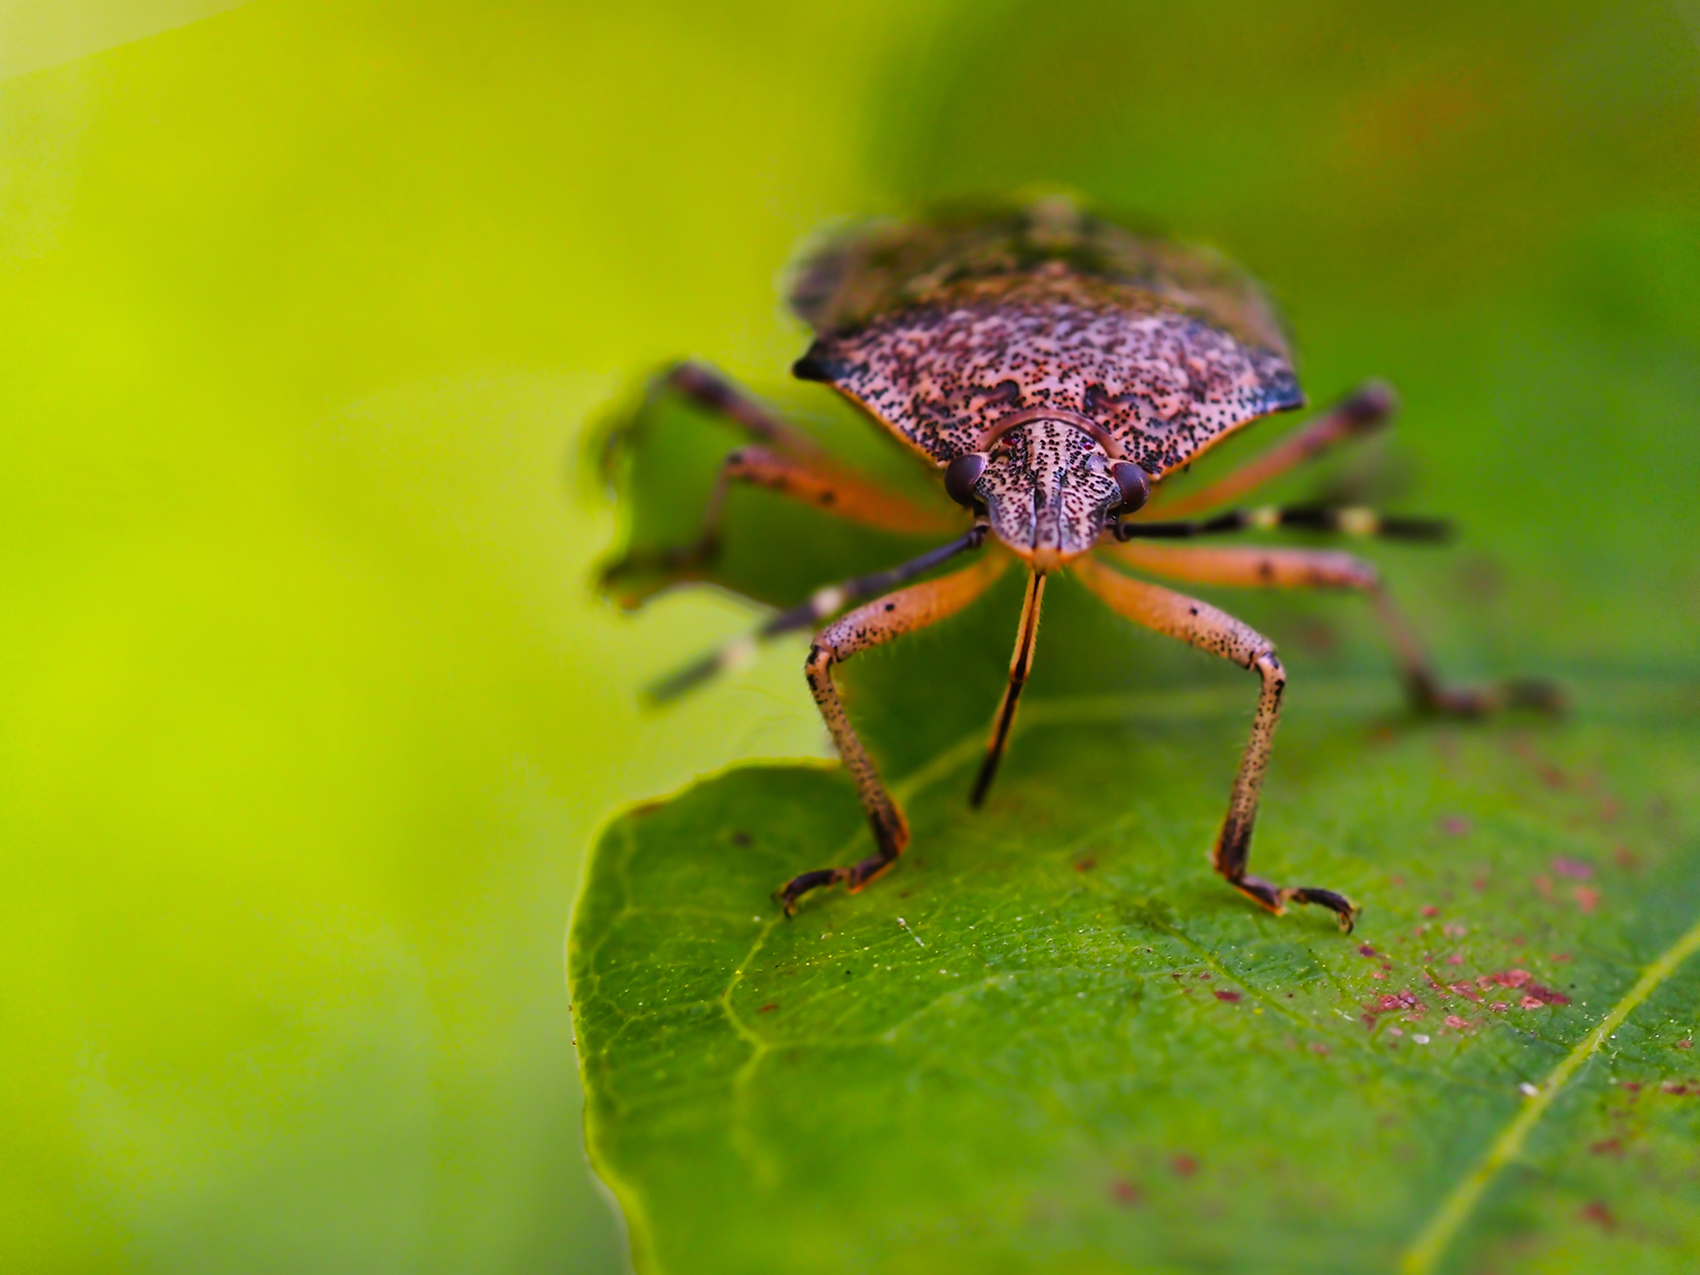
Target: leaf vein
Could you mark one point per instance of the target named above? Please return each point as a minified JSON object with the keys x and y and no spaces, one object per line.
{"x":1436,"y":1236}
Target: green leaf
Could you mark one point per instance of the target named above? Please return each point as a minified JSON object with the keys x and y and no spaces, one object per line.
{"x":1077,"y":1050}
{"x":1052,"y":1039}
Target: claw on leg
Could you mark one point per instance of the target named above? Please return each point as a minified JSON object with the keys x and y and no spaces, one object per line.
{"x":871,"y":625}
{"x":791,"y":893}
{"x":1431,"y":696}
{"x":1202,"y":625}
{"x":852,"y":879}
{"x":633,"y":579}
{"x":1275,"y":898}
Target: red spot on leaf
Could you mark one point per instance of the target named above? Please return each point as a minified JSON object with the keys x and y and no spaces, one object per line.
{"x":1364,"y":949}
{"x":1184,"y":1165}
{"x":1611,"y":1146}
{"x":1597,"y":1213}
{"x":1124,"y":1193}
{"x":1232,"y":998}
{"x":1430,"y":910}
{"x":1455,"y":959}
{"x":1455,"y":825}
{"x":1086,"y":865}
{"x":1456,"y":1023}
{"x":1542,"y":883}
{"x":1393,"y":1002}
{"x":1685,"y":1044}
{"x":1676,"y":1088}
{"x":767,"y":1008}
{"x":1575,"y":869}
{"x":1509,"y":978}
{"x":1531,"y":1002}
{"x":1587,"y":898}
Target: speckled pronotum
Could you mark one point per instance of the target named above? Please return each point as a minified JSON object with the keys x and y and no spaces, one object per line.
{"x":1054,"y":369}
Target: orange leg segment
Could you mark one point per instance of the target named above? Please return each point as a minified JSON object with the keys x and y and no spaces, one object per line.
{"x":818,"y":482}
{"x":783,"y":460}
{"x":1202,"y":625}
{"x":878,"y":622}
{"x":1278,"y":568}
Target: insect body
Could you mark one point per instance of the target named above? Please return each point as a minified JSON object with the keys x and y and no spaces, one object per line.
{"x":1054,"y":368}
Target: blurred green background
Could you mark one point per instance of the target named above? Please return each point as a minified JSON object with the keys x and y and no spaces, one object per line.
{"x":307,"y":712}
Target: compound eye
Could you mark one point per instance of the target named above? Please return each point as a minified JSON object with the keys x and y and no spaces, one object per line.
{"x":1135,"y":484}
{"x":961,"y":475}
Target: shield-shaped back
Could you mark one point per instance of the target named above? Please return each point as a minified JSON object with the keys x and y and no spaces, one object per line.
{"x":942,"y":327}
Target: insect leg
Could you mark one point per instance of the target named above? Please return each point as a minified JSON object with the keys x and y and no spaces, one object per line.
{"x":1209,"y":629}
{"x":821,"y":603}
{"x":811,"y":481}
{"x":1258,"y":568}
{"x":783,"y":459}
{"x":879,"y":621}
{"x":1365,"y":409}
{"x":1341,"y":519}
{"x":712,"y":392}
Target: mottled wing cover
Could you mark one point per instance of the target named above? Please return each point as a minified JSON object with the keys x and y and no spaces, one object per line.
{"x":940,"y":327}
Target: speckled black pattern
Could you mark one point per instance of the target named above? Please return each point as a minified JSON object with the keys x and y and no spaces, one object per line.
{"x":1048,"y":488}
{"x":1047,"y":351}
{"x":1162,"y":383}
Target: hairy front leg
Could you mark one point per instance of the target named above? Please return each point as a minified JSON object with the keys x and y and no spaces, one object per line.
{"x":878,"y":622}
{"x":1202,"y":625}
{"x":1248,"y":567}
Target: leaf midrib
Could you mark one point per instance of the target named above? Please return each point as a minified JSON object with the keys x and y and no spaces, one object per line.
{"x":1432,"y":1242}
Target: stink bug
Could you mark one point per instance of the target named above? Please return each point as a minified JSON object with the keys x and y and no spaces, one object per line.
{"x":1054,"y":369}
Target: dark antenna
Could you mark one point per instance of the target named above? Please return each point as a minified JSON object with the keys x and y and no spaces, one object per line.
{"x":1019,"y":664}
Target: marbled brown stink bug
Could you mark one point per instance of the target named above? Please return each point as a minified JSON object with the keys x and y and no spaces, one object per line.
{"x":1053,"y":368}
